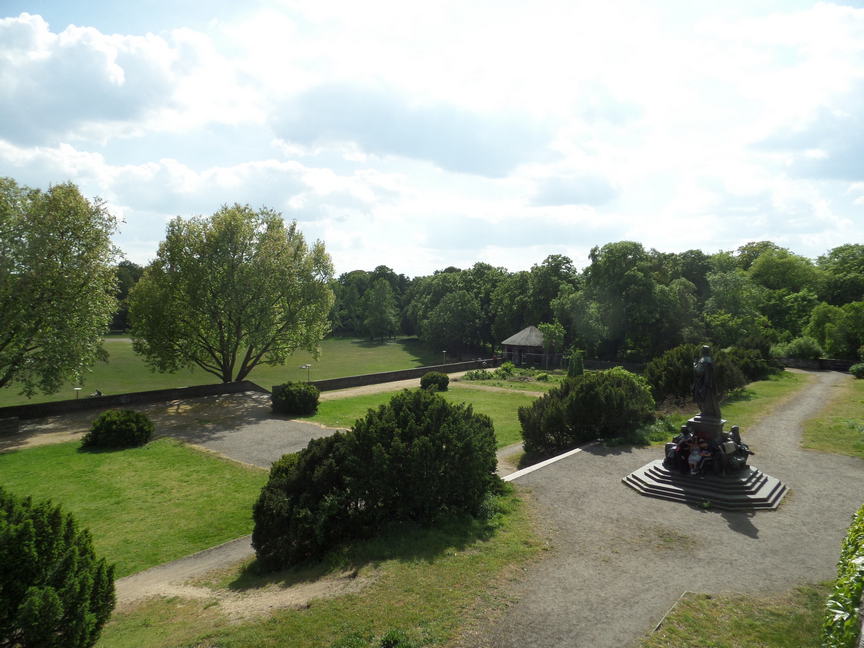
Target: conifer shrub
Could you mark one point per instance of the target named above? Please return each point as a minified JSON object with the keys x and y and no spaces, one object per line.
{"x":54,"y":591}
{"x":295,"y":399}
{"x":857,"y":370}
{"x":412,"y":459}
{"x":597,"y":404}
{"x":435,"y":381}
{"x":751,"y":362}
{"x":576,"y":366}
{"x":118,"y":429}
{"x":670,"y":375}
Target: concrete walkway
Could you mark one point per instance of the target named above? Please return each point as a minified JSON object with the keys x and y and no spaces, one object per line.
{"x":621,"y":560}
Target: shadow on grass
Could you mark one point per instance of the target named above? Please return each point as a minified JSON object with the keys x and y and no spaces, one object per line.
{"x":403,"y":542}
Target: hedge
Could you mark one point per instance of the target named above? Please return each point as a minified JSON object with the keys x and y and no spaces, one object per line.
{"x":842,"y":620}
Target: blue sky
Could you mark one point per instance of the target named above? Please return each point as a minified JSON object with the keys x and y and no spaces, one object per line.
{"x":422,"y":135}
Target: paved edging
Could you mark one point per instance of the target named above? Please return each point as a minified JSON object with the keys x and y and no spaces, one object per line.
{"x":547,"y":462}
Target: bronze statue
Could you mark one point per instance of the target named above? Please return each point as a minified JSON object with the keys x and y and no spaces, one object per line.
{"x":705,"y":387}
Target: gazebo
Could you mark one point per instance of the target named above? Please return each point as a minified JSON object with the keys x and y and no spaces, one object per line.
{"x":525,"y":347}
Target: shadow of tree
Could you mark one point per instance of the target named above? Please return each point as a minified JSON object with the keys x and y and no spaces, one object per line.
{"x":402,"y":541}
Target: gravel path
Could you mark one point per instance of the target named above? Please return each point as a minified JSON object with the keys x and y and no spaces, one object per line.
{"x":620,"y":560}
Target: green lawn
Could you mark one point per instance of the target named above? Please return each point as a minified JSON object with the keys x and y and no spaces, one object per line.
{"x":144,"y":506}
{"x":126,"y":372}
{"x":426,"y":582}
{"x":840,"y":427}
{"x":746,"y":406}
{"x":501,"y":407}
{"x":791,"y":620}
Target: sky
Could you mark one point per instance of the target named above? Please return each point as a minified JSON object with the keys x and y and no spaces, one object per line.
{"x":421,"y":135}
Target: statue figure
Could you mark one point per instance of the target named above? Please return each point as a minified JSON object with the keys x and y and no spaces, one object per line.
{"x":704,"y":387}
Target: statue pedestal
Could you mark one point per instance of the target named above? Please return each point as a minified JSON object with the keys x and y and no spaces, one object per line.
{"x":707,"y":427}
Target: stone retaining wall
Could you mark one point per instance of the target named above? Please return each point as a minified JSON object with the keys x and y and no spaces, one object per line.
{"x":822,"y":364}
{"x":53,"y":408}
{"x":402,"y":374}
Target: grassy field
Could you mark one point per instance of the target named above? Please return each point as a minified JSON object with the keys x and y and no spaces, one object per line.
{"x":126,"y":372}
{"x":144,"y":506}
{"x":792,"y":620}
{"x":426,"y":582}
{"x":840,"y":428}
{"x":501,"y":407}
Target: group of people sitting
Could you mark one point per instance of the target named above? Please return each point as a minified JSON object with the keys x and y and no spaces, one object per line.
{"x":699,"y":451}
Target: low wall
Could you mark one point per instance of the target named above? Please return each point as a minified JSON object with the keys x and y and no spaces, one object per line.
{"x":402,"y":374}
{"x":53,"y":408}
{"x":822,"y":364}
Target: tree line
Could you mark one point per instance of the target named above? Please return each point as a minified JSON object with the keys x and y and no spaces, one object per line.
{"x":628,"y":303}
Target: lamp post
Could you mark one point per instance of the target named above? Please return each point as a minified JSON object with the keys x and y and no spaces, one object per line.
{"x":77,"y":391}
{"x":307,"y":367}
{"x":445,"y":356}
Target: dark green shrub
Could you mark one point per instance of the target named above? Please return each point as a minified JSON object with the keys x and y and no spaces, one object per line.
{"x":54,"y":592}
{"x":603,"y":404}
{"x":410,"y":460}
{"x":671,"y":375}
{"x":305,"y":508}
{"x":295,"y":399}
{"x":576,"y":366}
{"x":752,"y":363}
{"x":843,"y":621}
{"x":857,"y":370}
{"x":802,"y":348}
{"x":118,"y":429}
{"x":478,"y":374}
{"x":435,"y":380}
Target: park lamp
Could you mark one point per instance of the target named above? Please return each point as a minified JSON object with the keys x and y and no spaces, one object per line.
{"x":307,"y":367}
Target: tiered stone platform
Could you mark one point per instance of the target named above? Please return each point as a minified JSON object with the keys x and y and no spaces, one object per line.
{"x":749,"y":489}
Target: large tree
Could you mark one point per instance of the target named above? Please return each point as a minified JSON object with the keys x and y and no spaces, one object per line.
{"x":57,"y":283}
{"x":382,"y":316}
{"x":229,"y":292}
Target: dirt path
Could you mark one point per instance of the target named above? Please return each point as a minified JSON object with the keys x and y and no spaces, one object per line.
{"x":621,"y":560}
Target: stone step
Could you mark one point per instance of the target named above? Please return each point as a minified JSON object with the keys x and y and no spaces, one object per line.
{"x":746,"y":481}
{"x":752,"y":489}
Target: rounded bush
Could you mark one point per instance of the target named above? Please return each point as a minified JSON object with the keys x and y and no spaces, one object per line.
{"x":670,"y":375}
{"x":54,"y":592}
{"x":435,"y":381}
{"x":118,"y":429}
{"x":802,"y":348}
{"x":604,"y":404}
{"x":751,"y":362}
{"x":506,"y":370}
{"x":295,"y":399}
{"x":857,"y":370}
{"x":410,"y":460}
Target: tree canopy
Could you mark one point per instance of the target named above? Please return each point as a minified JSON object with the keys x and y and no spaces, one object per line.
{"x":57,"y":284}
{"x":231,"y":291}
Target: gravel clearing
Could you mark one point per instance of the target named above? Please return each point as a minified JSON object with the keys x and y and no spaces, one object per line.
{"x":620,"y":560}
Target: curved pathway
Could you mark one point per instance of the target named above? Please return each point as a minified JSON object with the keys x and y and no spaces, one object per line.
{"x":620,"y":560}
